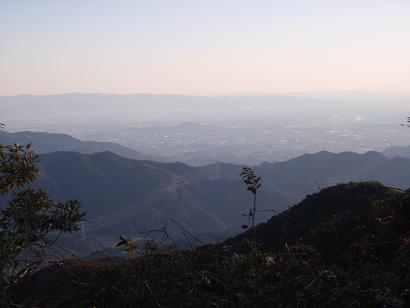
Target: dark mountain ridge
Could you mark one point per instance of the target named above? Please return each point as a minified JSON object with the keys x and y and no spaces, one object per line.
{"x":208,"y":199}
{"x":326,"y":169}
{"x":295,"y":225}
{"x":43,"y":142}
{"x":397,"y":151}
{"x":107,"y":183}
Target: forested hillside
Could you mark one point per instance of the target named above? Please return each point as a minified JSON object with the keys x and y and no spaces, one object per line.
{"x":347,"y":246}
{"x":204,"y":200}
{"x":114,"y":190}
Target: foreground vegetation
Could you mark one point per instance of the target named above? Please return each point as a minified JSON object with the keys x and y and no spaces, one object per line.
{"x":30,"y":222}
{"x":347,"y":246}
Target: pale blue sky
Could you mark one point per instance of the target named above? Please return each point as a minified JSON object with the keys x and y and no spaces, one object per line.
{"x":202,"y":47}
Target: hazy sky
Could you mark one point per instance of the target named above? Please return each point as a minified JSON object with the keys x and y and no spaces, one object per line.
{"x":203,"y":46}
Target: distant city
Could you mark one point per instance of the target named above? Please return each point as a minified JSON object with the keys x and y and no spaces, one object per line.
{"x":202,"y":130}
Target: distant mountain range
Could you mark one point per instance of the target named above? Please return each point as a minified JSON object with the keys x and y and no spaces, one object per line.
{"x":326,"y":169}
{"x":105,"y":103}
{"x":79,"y":104}
{"x":124,"y":195}
{"x":50,"y":142}
{"x":397,"y":151}
{"x":243,"y":128}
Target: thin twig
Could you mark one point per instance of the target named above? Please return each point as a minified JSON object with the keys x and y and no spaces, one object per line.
{"x":152,"y":293}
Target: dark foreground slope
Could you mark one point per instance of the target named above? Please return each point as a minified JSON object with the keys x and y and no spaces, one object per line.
{"x":347,"y":246}
{"x":343,"y":204}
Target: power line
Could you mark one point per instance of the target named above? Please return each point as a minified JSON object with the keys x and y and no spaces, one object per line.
{"x":355,"y":175}
{"x":137,"y":207}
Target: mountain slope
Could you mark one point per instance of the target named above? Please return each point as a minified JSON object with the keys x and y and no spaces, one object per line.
{"x":397,"y":151}
{"x":107,"y":184}
{"x":124,"y":196}
{"x":346,"y":246}
{"x":295,"y":225}
{"x":50,"y":142}
{"x":323,"y":169}
{"x":127,"y":196}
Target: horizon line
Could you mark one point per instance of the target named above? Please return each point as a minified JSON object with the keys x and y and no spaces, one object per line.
{"x":227,"y":94}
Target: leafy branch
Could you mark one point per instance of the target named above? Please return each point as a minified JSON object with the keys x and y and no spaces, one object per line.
{"x":253,"y":183}
{"x":27,"y":218}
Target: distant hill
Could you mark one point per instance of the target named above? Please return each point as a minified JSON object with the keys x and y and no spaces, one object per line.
{"x":50,"y":142}
{"x":127,"y":196}
{"x":397,"y":151}
{"x":83,"y":105}
{"x":311,"y":171}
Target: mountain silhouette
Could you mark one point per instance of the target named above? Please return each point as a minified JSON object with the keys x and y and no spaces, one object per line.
{"x":112,"y":190}
{"x":122,"y":195}
{"x":43,"y":142}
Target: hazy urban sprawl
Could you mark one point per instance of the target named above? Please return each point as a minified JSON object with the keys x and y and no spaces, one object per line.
{"x":236,"y":129}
